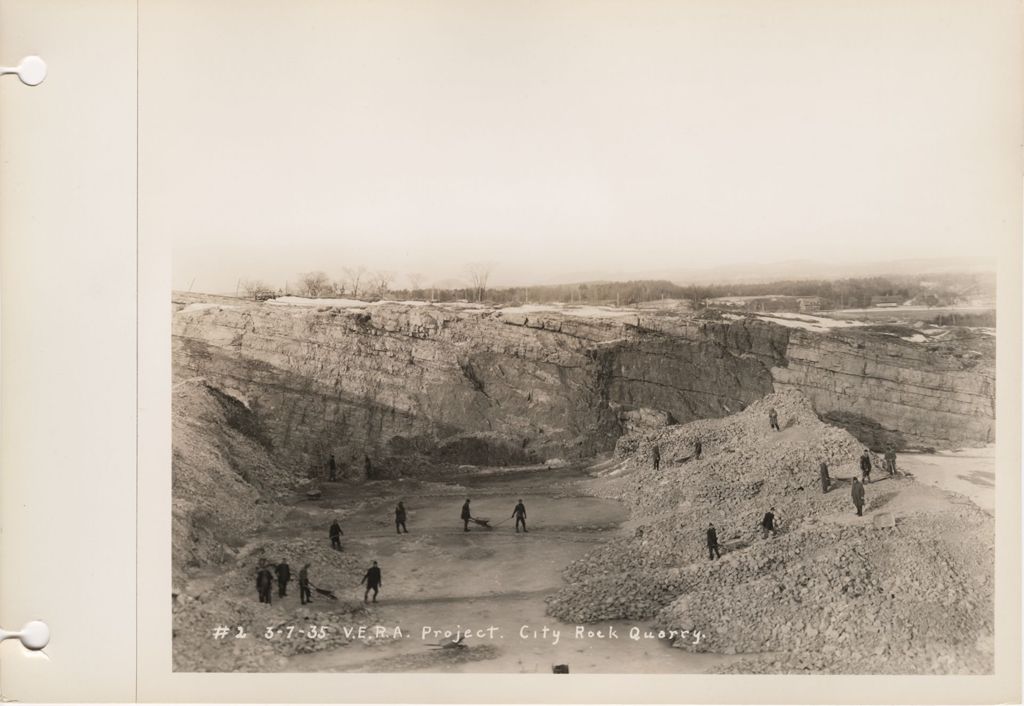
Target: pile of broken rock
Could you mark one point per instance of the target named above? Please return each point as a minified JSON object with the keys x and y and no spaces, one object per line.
{"x":830,"y":592}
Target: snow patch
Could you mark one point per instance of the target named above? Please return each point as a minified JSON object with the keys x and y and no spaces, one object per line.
{"x":589,"y":312}
{"x":412,"y":302}
{"x":305,"y":301}
{"x":203,"y":306}
{"x":808,"y":323}
{"x":343,"y":303}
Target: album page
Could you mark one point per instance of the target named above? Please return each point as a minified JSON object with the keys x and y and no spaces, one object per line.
{"x":503,"y":352}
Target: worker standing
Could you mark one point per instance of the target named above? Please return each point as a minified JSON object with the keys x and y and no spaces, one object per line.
{"x":768,"y":523}
{"x":335,"y":534}
{"x":890,"y":460}
{"x":865,"y":466}
{"x":332,"y":468}
{"x":773,"y":419}
{"x":466,"y":516}
{"x":284,"y":575}
{"x":713,"y":543}
{"x":304,"y":593}
{"x":400,"y":518}
{"x":373,"y":582}
{"x":520,"y":514}
{"x":264,"y":582}
{"x":826,"y":481}
{"x":857,"y":493}
{"x":698,"y":449}
{"x":656,"y":456}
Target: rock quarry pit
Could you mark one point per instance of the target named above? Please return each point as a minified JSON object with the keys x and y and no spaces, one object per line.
{"x":430,"y":403}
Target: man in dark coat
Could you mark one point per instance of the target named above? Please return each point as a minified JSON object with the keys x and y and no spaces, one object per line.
{"x":826,"y":481}
{"x":890,"y":460}
{"x":332,"y":468}
{"x":284,"y":575}
{"x":713,"y":543}
{"x":698,"y":449}
{"x":335,"y":533}
{"x":857,"y":493}
{"x":773,"y":419}
{"x":264,"y":582}
{"x":466,"y":516}
{"x":768,"y":524}
{"x":373,"y":582}
{"x":305,"y":596}
{"x":656,"y":456}
{"x":400,"y":518}
{"x":865,"y":466}
{"x":520,"y":514}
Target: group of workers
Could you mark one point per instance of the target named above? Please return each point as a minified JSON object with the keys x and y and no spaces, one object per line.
{"x":372,"y":578}
{"x":768,"y":527}
{"x":335,"y":532}
{"x":332,"y":468}
{"x":373,"y":581}
{"x":265,"y":582}
{"x":865,"y":468}
{"x":518,"y":512}
{"x":768,"y":522}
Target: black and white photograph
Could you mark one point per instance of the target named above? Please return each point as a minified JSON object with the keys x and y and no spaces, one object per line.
{"x":580,"y":337}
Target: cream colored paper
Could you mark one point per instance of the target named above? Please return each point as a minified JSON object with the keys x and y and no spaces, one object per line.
{"x":85,"y":502}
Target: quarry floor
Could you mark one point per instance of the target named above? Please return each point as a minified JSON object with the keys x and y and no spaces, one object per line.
{"x":440,"y":578}
{"x":969,"y":472}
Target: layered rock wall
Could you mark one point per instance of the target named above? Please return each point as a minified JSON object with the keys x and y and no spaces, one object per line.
{"x":885,"y":389}
{"x":472,"y":384}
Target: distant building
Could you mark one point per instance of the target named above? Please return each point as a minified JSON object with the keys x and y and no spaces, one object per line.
{"x":768,"y":303}
{"x":811,"y":303}
{"x":887,"y":300}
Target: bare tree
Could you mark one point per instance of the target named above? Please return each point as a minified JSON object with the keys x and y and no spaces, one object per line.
{"x":314,"y":284}
{"x":354,"y":275}
{"x":252,"y":287}
{"x":697,"y":296}
{"x":339,"y":287}
{"x":382,"y":280}
{"x":415,"y":281}
{"x":478,"y":273}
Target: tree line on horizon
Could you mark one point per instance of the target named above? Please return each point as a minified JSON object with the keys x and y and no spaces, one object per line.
{"x":940,"y":289}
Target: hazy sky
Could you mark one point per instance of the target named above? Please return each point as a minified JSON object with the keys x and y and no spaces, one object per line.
{"x":560,"y":138}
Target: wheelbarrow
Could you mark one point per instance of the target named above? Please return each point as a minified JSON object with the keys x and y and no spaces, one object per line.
{"x":325,"y":592}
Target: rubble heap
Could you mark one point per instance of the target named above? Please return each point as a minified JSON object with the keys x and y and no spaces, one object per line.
{"x":831,"y":592}
{"x":224,"y":480}
{"x":230,"y":600}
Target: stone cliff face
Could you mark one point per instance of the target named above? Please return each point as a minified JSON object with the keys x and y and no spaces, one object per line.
{"x":391,"y":386}
{"x":884,"y":389}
